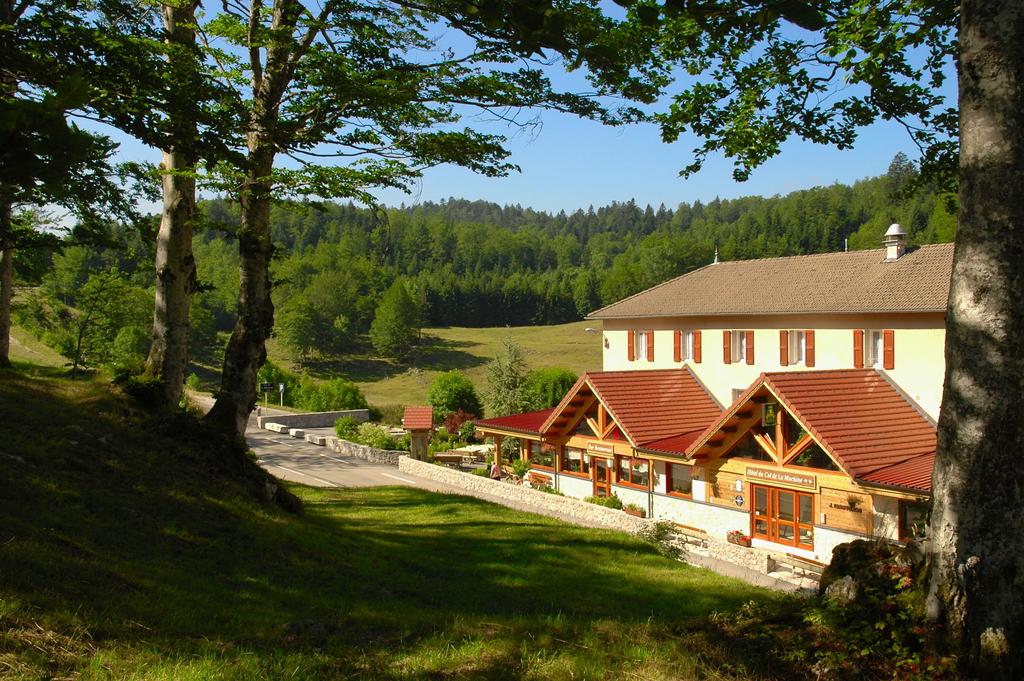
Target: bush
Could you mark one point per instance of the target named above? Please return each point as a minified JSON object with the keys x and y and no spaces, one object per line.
{"x":347,"y":428}
{"x":453,"y":392}
{"x":271,"y":373}
{"x":455,"y":422}
{"x":520,"y":467}
{"x":612,"y":501}
{"x":193,"y":383}
{"x":333,"y":395}
{"x":373,"y":435}
{"x":482,"y":472}
{"x":546,"y":387}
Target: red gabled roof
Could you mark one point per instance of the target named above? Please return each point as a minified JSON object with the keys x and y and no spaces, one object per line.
{"x":857,"y":416}
{"x":418,"y":418}
{"x":528,"y":423}
{"x":648,"y":405}
{"x":913,"y":473}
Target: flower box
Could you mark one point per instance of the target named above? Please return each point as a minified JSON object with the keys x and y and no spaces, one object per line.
{"x":635,"y":511}
{"x":738,"y":538}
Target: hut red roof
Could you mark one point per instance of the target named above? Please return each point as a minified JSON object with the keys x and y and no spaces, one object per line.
{"x":418,"y":418}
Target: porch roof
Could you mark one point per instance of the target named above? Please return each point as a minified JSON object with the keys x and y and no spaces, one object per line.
{"x":871,"y":429}
{"x":527,"y":423}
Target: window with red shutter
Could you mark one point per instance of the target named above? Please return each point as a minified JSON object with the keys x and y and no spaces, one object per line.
{"x":809,"y":347}
{"x":632,"y":345}
{"x":750,"y":347}
{"x":858,"y":348}
{"x":784,"y":348}
{"x":677,"y":342}
{"x":727,"y":347}
{"x":650,"y":346}
{"x":889,"y":349}
{"x":696,"y":347}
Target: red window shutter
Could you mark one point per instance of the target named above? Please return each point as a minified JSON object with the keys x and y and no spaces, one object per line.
{"x":632,"y":345}
{"x":784,"y":348}
{"x":858,"y":348}
{"x":809,"y":348}
{"x":889,"y":349}
{"x":750,"y":347}
{"x":696,"y":347}
{"x":677,"y":351}
{"x":650,"y":346}
{"x":727,"y":347}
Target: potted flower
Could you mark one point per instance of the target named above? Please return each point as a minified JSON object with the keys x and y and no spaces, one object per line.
{"x":634,"y":510}
{"x":738,"y":537}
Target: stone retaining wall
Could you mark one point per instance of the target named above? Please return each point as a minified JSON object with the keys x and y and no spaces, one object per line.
{"x":317,"y":419}
{"x":540,"y":502}
{"x":371,"y":454}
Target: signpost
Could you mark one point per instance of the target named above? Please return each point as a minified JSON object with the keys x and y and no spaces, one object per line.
{"x":266,"y":388}
{"x":280,"y":387}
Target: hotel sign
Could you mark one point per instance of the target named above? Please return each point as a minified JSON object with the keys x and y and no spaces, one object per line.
{"x":599,"y":448}
{"x":784,"y":477}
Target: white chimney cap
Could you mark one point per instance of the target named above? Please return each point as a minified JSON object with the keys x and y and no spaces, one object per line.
{"x":895,"y":230}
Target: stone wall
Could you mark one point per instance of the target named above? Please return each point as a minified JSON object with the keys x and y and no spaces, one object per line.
{"x":539,"y":502}
{"x":318,"y":419}
{"x":372,"y":454}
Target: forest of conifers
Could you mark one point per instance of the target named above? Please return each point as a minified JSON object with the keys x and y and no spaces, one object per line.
{"x":465,"y":263}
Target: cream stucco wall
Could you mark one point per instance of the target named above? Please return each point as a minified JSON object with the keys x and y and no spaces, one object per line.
{"x":919,"y":349}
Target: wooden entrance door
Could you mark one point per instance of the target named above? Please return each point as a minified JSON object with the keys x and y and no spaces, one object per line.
{"x":783,"y":516}
{"x":602,"y":476}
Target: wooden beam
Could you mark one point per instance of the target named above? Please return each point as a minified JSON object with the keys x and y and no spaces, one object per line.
{"x":727,"y":429}
{"x":799,"y":448}
{"x":745,"y":414}
{"x":766,"y":445}
{"x":780,"y":435}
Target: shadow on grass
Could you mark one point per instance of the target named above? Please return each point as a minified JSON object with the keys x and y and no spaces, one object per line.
{"x":121,"y":526}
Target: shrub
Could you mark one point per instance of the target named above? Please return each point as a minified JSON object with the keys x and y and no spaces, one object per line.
{"x":548,"y":489}
{"x":271,"y":373}
{"x":612,"y":501}
{"x":546,"y":387}
{"x":520,"y":467}
{"x":193,"y":383}
{"x":455,"y":421}
{"x":453,"y":392}
{"x":347,"y":428}
{"x":373,"y":435}
{"x":482,"y":472}
{"x":335,"y":394}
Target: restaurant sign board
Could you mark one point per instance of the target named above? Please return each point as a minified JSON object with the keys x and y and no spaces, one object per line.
{"x":599,"y":448}
{"x":784,"y":477}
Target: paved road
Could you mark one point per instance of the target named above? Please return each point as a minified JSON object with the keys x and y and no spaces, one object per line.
{"x":299,"y":461}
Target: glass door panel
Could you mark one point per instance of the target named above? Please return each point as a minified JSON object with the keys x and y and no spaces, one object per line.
{"x":602,"y":477}
{"x":760,"y":528}
{"x":783,"y":516}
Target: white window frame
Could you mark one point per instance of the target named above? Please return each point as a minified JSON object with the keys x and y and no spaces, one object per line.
{"x":686,"y":346}
{"x":640,"y":346}
{"x":797,"y":346}
{"x":874,"y":348}
{"x":738,"y":346}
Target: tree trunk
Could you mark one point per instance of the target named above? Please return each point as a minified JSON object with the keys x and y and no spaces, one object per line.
{"x":175,"y":278}
{"x":6,"y":283}
{"x":977,"y":522}
{"x":246,"y":351}
{"x":175,"y":264}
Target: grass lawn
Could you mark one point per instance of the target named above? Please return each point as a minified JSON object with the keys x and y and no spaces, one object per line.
{"x":27,"y":349}
{"x":469,"y":349}
{"x":127,"y":550}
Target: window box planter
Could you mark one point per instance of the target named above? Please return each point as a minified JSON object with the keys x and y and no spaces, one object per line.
{"x":634,"y":510}
{"x":738,"y":538}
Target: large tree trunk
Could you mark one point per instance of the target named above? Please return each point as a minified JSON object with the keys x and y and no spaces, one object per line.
{"x":175,"y":264}
{"x":6,"y":283}
{"x":977,"y":523}
{"x":175,"y":278}
{"x":246,"y":351}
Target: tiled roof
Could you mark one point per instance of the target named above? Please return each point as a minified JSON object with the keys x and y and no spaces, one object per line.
{"x":913,"y":473}
{"x":676,"y":444}
{"x":855,"y":414}
{"x":848,"y":282}
{"x":653,"y":405}
{"x":418,"y":418}
{"x":528,"y":423}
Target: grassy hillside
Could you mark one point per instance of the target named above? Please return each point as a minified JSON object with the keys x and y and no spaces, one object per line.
{"x":129,"y":550}
{"x":468,"y":349}
{"x":26,"y":348}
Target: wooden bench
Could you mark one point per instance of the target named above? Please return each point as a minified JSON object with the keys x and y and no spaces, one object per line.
{"x":693,"y":535}
{"x":538,"y":480}
{"x":800,"y":565}
{"x":448,"y":458}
